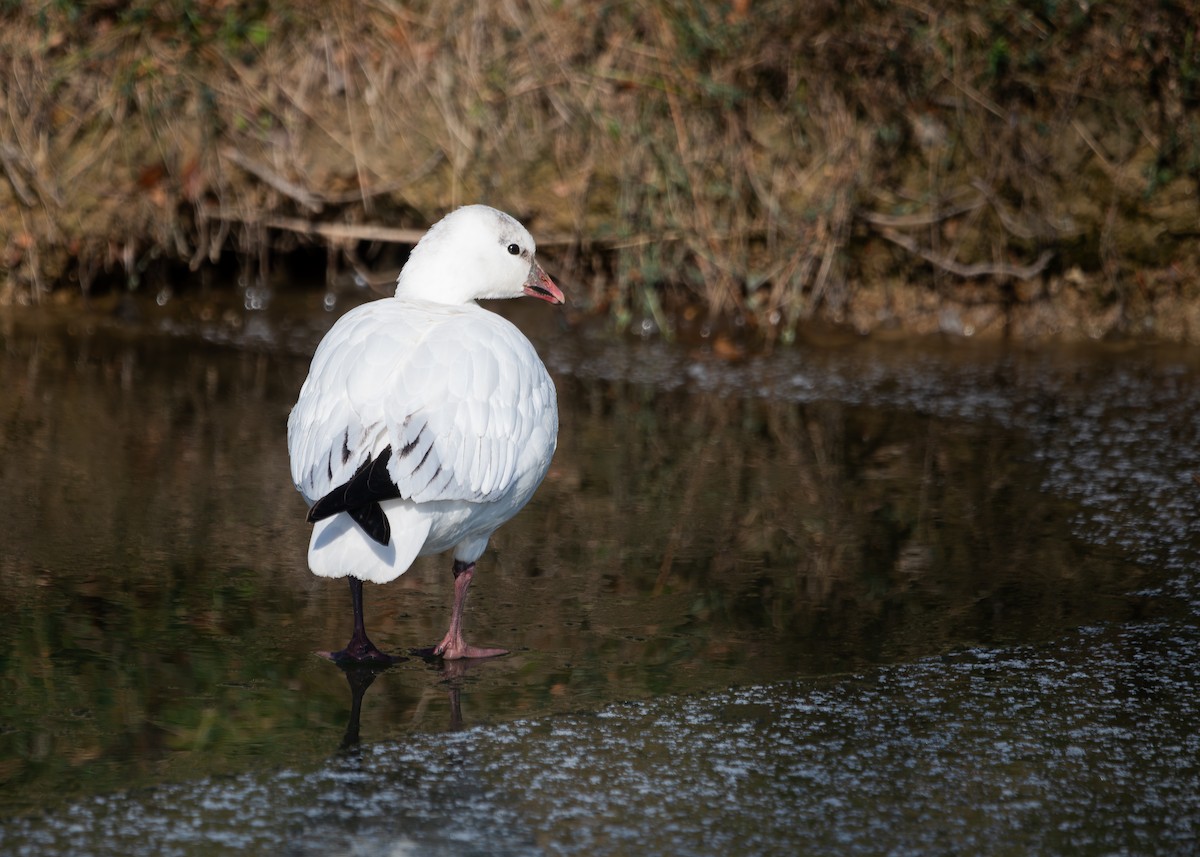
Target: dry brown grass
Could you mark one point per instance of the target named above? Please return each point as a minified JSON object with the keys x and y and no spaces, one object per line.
{"x":771,"y":161}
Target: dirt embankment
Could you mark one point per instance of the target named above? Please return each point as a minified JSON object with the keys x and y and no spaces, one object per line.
{"x":1015,"y":168}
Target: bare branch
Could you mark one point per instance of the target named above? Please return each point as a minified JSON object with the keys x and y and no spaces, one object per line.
{"x":285,"y":187}
{"x":334,"y":231}
{"x":905,"y":221}
{"x":392,"y":235}
{"x":970,"y":271}
{"x":8,"y":157}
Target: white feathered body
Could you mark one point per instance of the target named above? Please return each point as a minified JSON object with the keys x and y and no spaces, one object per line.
{"x":464,"y":402}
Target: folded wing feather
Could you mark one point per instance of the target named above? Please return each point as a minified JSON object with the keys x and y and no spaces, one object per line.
{"x":423,"y":404}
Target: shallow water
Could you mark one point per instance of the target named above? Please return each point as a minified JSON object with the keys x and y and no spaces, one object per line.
{"x":856,"y":597}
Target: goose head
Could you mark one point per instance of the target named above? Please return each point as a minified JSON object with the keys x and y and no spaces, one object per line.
{"x":475,"y":253}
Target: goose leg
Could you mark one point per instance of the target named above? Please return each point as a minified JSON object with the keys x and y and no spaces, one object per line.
{"x":360,"y":649}
{"x":453,"y":646}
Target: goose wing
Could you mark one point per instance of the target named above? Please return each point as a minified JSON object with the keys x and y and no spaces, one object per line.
{"x":422,"y":403}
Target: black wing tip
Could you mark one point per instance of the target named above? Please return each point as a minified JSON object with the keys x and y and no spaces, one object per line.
{"x":370,"y":518}
{"x":373,"y":522}
{"x":320,"y":510}
{"x":359,"y":498}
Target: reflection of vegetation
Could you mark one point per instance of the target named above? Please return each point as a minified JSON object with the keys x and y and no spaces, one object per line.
{"x":881,"y":534}
{"x":774,"y":160}
{"x":138,"y":618}
{"x":160,"y":621}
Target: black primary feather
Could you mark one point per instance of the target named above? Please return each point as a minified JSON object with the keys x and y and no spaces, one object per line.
{"x":360,"y":497}
{"x":373,"y":522}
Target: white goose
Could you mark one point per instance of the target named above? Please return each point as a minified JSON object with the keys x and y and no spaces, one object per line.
{"x":426,"y":421}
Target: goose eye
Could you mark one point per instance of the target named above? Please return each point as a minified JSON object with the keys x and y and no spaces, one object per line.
{"x":514,"y":249}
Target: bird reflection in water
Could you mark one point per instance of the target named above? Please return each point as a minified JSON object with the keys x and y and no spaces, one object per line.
{"x":360,"y":677}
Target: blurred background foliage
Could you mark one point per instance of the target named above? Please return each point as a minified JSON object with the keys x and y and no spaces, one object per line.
{"x":1025,"y":167}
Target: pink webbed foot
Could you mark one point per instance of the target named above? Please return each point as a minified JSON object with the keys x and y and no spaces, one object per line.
{"x":453,"y":647}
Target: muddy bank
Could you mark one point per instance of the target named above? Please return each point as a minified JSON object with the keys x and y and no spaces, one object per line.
{"x":1009,"y":170}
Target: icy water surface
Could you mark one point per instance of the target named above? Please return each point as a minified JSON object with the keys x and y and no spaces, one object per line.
{"x":858,"y":598}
